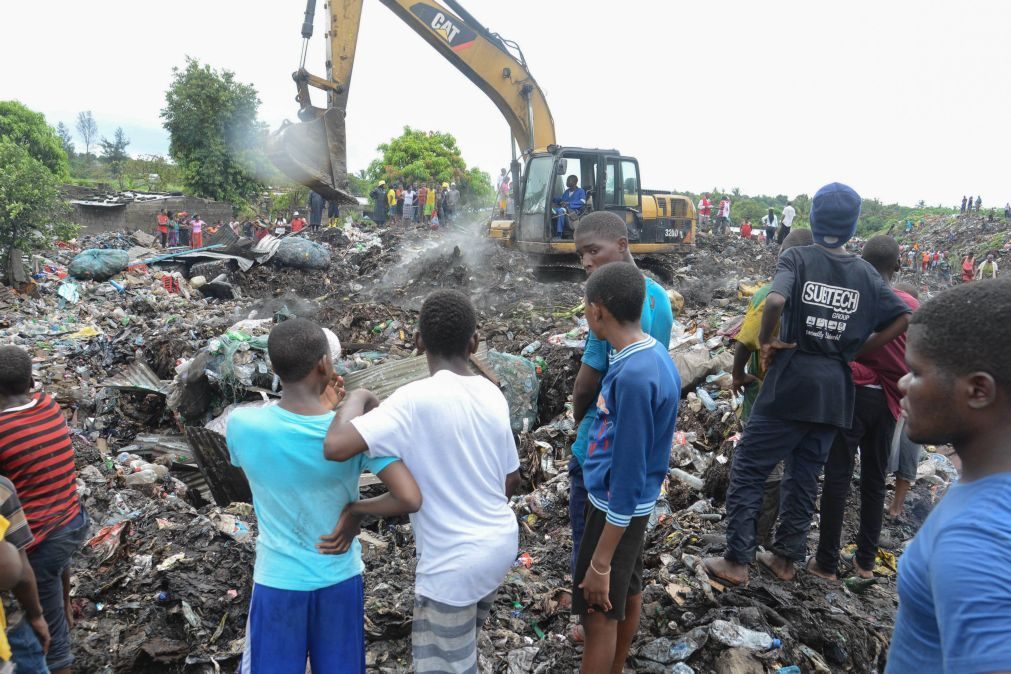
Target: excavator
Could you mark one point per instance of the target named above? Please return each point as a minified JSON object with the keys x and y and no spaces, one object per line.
{"x":314,"y":153}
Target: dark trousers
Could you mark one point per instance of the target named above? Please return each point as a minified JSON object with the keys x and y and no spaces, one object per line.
{"x":873,"y":426}
{"x":577,"y":507}
{"x":803,"y":447}
{"x":48,"y":561}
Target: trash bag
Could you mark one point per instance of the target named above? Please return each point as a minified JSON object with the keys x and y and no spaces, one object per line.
{"x":517,"y":377}
{"x":294,"y":251}
{"x":99,"y":264}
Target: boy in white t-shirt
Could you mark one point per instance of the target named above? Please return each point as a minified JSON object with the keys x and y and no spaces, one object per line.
{"x":452,"y":432}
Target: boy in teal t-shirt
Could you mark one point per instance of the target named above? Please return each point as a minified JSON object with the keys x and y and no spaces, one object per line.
{"x":303,"y":572}
{"x":601,"y":237}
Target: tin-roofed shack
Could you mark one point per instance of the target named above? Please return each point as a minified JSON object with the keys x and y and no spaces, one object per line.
{"x":106,"y":211}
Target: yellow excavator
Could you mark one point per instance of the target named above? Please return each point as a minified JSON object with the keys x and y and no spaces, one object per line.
{"x":314,"y":152}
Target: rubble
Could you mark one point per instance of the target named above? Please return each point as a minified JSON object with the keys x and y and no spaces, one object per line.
{"x":148,"y":363}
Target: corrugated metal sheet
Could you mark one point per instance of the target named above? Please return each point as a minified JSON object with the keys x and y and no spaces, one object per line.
{"x":226,"y":482}
{"x":265,"y":248}
{"x":385,"y":378}
{"x":138,"y":377}
{"x":245,"y":264}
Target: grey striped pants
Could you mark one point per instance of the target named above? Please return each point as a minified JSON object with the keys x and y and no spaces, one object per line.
{"x":444,"y":637}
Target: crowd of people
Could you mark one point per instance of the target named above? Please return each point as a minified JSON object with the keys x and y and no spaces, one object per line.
{"x":827,"y":371}
{"x":772,"y":228}
{"x":426,"y":204}
{"x":833,"y":358}
{"x":180,"y":229}
{"x":970,"y":207}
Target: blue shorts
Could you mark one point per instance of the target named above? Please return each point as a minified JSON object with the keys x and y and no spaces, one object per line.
{"x":285,"y":627}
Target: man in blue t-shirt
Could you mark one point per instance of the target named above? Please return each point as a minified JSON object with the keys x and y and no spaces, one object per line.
{"x":954,"y":595}
{"x":601,"y":237}
{"x":626,"y":464}
{"x":572,"y":199}
{"x":834,"y":307}
{"x":308,"y":596}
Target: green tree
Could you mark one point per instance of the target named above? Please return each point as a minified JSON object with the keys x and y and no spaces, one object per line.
{"x":153,"y":172}
{"x":417,"y":156}
{"x":114,"y":154}
{"x":88,"y":128}
{"x":28,"y":129}
{"x":32,"y":212}
{"x":66,"y":140}
{"x":215,"y":136}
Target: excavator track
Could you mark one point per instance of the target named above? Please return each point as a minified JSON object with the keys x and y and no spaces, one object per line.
{"x":566,"y":268}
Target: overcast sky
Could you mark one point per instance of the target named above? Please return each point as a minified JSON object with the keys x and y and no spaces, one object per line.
{"x":903,"y":100}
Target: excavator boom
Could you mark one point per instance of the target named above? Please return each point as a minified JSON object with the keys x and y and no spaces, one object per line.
{"x":314,"y":151}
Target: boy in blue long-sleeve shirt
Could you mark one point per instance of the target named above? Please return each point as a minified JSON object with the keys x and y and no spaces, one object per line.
{"x":626,"y":463}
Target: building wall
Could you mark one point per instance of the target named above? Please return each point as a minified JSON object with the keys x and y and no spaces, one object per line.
{"x":141,"y":214}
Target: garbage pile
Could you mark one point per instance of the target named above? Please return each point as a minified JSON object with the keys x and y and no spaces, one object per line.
{"x":149,"y":361}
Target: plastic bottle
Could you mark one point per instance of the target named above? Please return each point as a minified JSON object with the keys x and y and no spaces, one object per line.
{"x":530,"y":348}
{"x":689,"y":479}
{"x":706,"y":399}
{"x":735,"y":636}
{"x":791,"y":669}
{"x":146,"y":476}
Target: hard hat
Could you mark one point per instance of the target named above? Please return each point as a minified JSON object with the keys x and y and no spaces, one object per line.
{"x":382,"y":182}
{"x":296,"y":212}
{"x":445,"y":184}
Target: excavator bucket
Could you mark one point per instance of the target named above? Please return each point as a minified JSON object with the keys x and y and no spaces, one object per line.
{"x":314,"y":154}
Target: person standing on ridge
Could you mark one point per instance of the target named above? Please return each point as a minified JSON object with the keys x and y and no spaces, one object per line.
{"x":770,"y":223}
{"x":378,"y":196}
{"x":316,"y":205}
{"x":789,"y":213}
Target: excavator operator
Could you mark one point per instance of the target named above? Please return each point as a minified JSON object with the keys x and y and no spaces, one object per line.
{"x":571,"y":200}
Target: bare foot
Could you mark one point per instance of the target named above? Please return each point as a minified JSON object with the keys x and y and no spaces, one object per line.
{"x":813,"y":568}
{"x":781,"y":567}
{"x":863,"y":573}
{"x":725,"y":570}
{"x":895,"y":510}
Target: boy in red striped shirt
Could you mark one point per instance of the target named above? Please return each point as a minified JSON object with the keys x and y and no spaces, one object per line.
{"x":37,"y":456}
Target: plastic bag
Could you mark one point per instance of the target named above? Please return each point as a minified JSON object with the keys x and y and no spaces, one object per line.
{"x":517,"y":378}
{"x":99,"y":264}
{"x":302,"y":254}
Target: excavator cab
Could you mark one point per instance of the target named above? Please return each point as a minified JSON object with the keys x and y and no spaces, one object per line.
{"x":611,"y":183}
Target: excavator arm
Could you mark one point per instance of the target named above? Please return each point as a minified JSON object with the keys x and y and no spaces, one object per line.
{"x":314,"y":152}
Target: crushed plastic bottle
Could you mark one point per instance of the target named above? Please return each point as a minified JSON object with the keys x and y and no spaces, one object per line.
{"x":706,"y":399}
{"x":684,"y":648}
{"x":735,"y":636}
{"x":530,"y":348}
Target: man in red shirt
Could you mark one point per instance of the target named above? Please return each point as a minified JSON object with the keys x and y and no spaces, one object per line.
{"x":876,"y":378}
{"x":297,"y":223}
{"x":163,"y":226}
{"x":746,"y":229}
{"x":705,"y":208}
{"x":36,"y":454}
